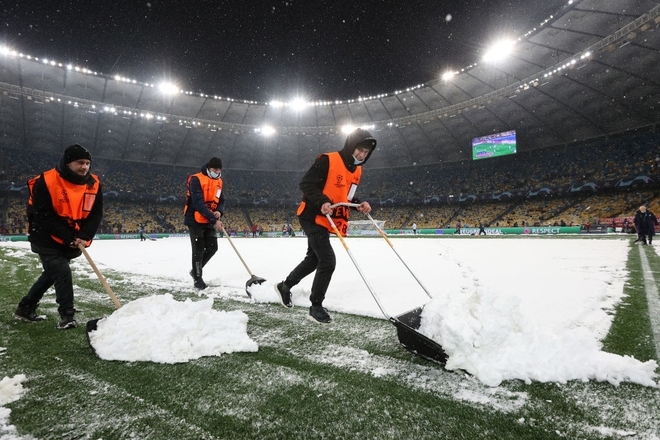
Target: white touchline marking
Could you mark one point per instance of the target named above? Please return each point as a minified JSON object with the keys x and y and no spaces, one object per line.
{"x":653,"y":299}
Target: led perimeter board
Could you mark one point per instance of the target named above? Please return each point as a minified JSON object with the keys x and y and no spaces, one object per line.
{"x":494,"y":145}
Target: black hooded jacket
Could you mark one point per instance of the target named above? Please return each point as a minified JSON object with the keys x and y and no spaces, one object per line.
{"x":645,"y":222}
{"x":313,"y":181}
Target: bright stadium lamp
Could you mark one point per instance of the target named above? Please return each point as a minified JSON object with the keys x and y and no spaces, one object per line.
{"x":168,"y":88}
{"x":498,"y":51}
{"x":448,"y":75}
{"x":348,"y":128}
{"x":298,"y":104}
{"x":267,"y":130}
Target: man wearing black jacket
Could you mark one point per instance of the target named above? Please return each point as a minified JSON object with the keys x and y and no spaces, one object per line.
{"x":205,"y":205}
{"x":645,"y":223}
{"x":333,"y":178}
{"x":65,"y":209}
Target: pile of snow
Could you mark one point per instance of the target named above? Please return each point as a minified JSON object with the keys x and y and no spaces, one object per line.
{"x":160,"y":329}
{"x":487,"y":335}
{"x":11,"y":389}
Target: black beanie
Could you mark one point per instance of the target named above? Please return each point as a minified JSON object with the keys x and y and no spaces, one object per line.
{"x":215,"y":162}
{"x":75,"y":152}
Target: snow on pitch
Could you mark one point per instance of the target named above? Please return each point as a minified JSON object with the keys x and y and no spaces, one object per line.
{"x":529,"y":309}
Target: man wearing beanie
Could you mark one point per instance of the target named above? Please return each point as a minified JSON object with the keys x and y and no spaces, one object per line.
{"x":65,"y":208}
{"x":205,"y":204}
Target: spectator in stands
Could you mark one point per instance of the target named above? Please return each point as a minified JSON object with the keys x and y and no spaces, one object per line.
{"x":645,"y":223}
{"x":205,"y":205}
{"x":333,"y":178}
{"x":57,"y":226}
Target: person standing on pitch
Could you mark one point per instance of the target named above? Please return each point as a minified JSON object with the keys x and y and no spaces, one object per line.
{"x":333,"y":178}
{"x":205,"y":205}
{"x":645,"y":223}
{"x":65,"y":208}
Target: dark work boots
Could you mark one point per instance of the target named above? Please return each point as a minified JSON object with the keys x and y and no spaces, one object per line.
{"x":28,"y":313}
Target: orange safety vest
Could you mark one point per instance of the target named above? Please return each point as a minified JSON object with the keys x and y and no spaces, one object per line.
{"x":340,"y":187}
{"x":211,"y":190}
{"x":73,"y":202}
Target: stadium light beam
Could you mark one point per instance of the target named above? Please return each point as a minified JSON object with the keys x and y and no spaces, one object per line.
{"x":298,"y":104}
{"x":348,"y":128}
{"x":267,"y":130}
{"x":448,"y":75}
{"x":498,"y":51}
{"x":168,"y":88}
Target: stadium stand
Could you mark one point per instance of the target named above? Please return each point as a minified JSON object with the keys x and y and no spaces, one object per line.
{"x":581,"y":91}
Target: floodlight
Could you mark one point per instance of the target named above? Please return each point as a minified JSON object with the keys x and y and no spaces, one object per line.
{"x":168,"y":88}
{"x":498,"y":51}
{"x":298,"y":104}
{"x":348,"y":128}
{"x":267,"y":130}
{"x":448,"y":75}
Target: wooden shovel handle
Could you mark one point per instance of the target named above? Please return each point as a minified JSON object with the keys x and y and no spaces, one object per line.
{"x":100,"y":275}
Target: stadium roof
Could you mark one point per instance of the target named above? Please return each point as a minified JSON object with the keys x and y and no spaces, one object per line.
{"x":589,"y":72}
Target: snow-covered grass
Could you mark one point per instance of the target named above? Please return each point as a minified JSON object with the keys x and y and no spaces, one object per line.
{"x":540,"y":311}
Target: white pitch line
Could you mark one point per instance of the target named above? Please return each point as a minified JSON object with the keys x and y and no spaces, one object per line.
{"x":653,"y":299}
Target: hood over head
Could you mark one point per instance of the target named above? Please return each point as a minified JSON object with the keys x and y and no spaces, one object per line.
{"x":357,"y":137}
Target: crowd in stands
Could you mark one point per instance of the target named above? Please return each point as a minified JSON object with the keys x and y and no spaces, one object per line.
{"x":623,"y":173}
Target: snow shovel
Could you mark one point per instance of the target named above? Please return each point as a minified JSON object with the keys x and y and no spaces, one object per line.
{"x":100,"y":275}
{"x":253,"y":278}
{"x":91,"y":325}
{"x":406,"y":324}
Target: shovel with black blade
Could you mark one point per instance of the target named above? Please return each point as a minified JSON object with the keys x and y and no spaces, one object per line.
{"x":253,"y":278}
{"x":407,"y":324}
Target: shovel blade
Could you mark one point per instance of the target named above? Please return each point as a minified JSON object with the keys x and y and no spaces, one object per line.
{"x":91,"y":327}
{"x":407,"y":326}
{"x":253,"y":280}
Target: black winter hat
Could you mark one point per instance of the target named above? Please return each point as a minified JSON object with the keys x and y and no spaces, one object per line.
{"x":75,"y":152}
{"x":215,"y":162}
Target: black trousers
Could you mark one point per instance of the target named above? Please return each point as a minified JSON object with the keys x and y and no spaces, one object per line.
{"x":320,"y":257}
{"x":204,"y":242}
{"x":57,"y":271}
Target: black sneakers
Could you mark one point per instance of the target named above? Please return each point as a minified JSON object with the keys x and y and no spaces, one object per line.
{"x":319,"y":314}
{"x":67,"y":321}
{"x":28,"y":313}
{"x":285,"y":294}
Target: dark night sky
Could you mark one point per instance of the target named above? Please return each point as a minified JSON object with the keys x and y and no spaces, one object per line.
{"x":266,"y":50}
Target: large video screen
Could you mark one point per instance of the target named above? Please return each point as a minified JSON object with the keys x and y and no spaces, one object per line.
{"x":494,"y":145}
